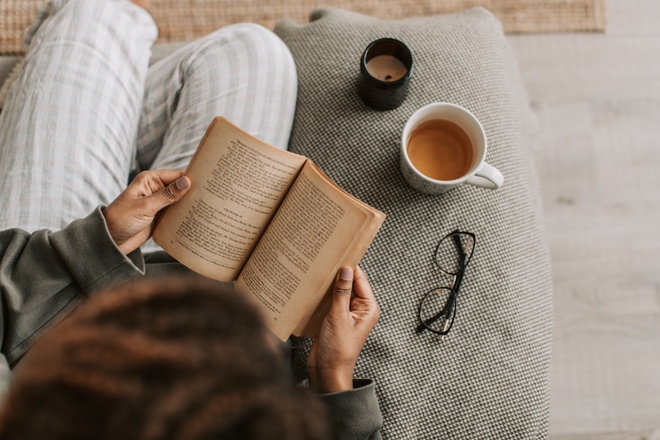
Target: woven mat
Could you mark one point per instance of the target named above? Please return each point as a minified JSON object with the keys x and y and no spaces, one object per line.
{"x":178,"y":20}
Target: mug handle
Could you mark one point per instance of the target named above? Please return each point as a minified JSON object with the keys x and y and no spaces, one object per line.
{"x":487,"y":176}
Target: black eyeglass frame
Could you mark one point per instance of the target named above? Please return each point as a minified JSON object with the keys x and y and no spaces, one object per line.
{"x":452,"y":301}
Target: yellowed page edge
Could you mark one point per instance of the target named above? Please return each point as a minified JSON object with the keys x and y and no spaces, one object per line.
{"x":311,"y":323}
{"x":335,"y":218}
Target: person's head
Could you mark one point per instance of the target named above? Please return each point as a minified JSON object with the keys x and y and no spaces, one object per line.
{"x":159,"y":360}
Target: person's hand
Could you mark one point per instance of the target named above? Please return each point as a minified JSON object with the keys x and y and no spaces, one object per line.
{"x":351,"y":318}
{"x":130,"y":217}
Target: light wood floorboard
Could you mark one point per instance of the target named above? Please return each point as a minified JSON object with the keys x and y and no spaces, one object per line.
{"x":597,"y":97}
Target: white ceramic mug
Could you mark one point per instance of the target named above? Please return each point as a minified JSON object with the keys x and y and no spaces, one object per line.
{"x":479,"y":173}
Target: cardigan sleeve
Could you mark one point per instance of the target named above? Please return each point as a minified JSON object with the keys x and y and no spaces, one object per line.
{"x":44,"y":275}
{"x":355,"y":414}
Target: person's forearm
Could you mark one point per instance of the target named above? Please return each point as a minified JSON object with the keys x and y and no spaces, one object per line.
{"x":45,"y":274}
{"x":330,"y":380}
{"x":5,"y":377}
{"x":355,"y":414}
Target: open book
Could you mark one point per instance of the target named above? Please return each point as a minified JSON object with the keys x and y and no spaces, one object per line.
{"x":269,"y":220}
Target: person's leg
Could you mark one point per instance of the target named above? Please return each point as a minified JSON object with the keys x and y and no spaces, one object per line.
{"x":243,"y":72}
{"x":68,"y":129}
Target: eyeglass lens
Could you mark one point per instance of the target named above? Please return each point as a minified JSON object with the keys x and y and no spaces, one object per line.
{"x":438,"y":309}
{"x":454,"y":252}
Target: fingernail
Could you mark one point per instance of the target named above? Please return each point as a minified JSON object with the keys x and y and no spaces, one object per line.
{"x":182,"y":183}
{"x":345,"y":274}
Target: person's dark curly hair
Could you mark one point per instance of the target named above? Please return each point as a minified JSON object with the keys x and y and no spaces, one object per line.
{"x":159,"y":360}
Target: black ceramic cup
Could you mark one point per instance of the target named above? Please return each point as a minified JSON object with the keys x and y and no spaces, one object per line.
{"x":385,"y":70}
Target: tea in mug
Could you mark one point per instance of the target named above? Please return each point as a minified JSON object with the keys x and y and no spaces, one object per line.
{"x":440,"y":149}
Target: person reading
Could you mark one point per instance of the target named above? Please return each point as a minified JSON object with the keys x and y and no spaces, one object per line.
{"x":85,"y":112}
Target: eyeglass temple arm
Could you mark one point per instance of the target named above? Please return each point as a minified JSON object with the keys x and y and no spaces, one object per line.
{"x":457,"y":283}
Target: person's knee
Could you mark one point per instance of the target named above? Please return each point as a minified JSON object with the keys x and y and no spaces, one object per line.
{"x":257,"y":34}
{"x":253,"y":43}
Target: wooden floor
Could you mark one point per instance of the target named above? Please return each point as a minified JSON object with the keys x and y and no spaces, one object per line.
{"x":597,"y":97}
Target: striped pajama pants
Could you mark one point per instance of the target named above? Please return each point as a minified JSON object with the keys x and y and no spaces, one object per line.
{"x":86,"y":108}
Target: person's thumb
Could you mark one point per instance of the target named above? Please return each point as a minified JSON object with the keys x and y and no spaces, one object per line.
{"x":170,"y":194}
{"x":341,"y":294}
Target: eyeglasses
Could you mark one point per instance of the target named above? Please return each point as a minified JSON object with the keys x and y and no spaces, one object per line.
{"x":438,"y":308}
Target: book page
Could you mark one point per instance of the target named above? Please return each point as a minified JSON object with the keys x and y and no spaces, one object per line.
{"x":238,"y":182}
{"x":318,"y":228}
